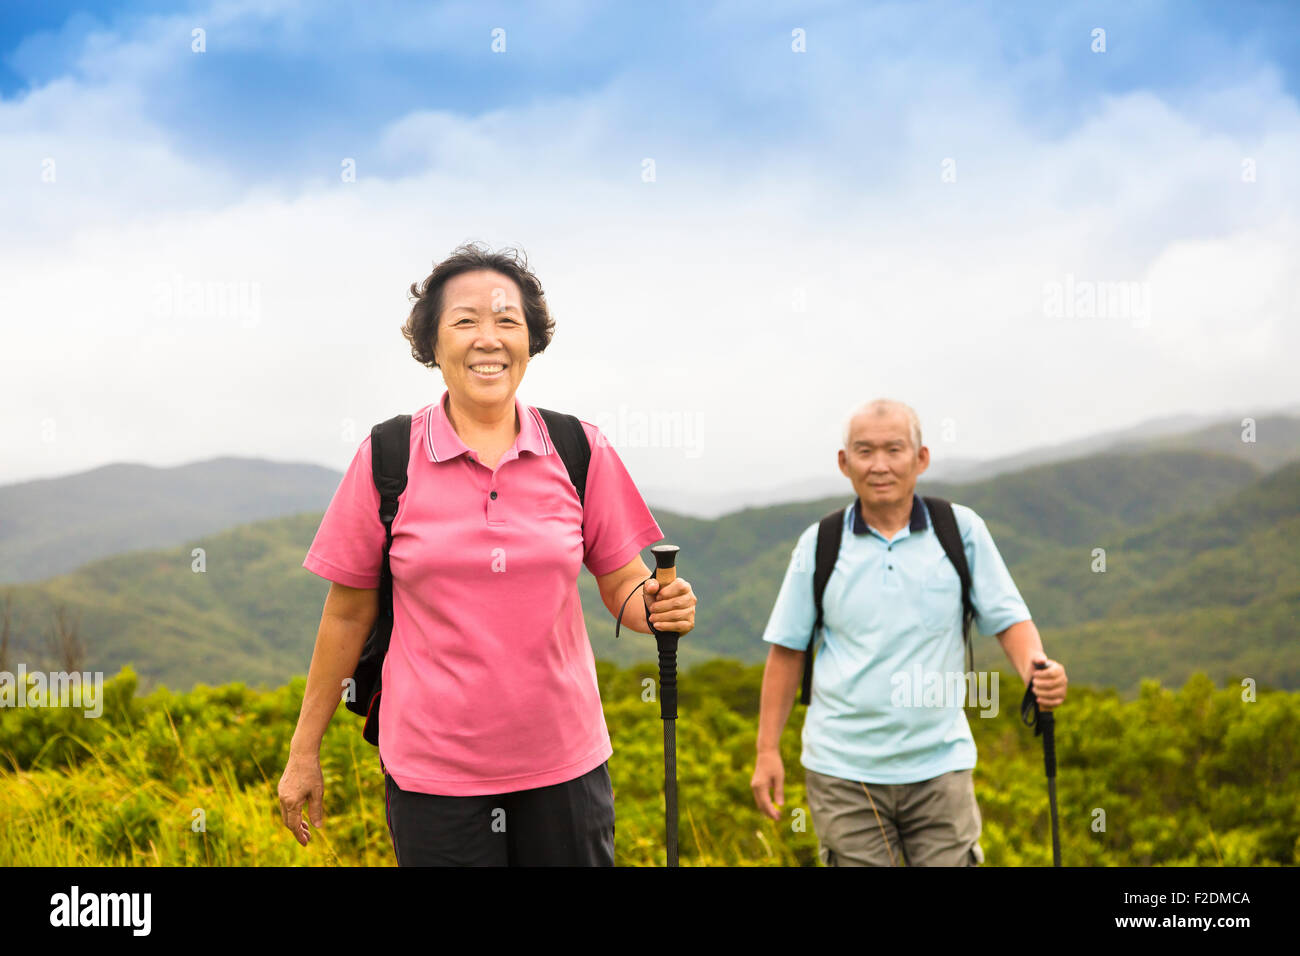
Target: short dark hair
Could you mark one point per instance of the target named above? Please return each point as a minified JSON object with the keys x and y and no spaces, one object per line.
{"x":421,"y":326}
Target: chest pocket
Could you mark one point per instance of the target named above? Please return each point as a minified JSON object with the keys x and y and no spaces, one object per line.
{"x":941,"y":596}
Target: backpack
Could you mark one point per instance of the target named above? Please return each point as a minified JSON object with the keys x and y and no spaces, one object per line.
{"x":829,"y":532}
{"x":390,"y":451}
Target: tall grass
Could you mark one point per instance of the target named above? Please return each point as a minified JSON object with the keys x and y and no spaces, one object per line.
{"x":1194,"y":777}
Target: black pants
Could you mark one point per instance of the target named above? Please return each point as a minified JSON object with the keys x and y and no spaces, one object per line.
{"x":565,"y":824}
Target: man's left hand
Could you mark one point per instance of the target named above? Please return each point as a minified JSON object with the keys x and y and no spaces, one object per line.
{"x":1049,"y":684}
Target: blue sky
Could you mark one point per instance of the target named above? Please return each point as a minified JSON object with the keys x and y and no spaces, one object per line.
{"x":130,"y":165}
{"x":286,"y":85}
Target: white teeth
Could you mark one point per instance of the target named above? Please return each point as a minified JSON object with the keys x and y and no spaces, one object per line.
{"x":487,"y":369}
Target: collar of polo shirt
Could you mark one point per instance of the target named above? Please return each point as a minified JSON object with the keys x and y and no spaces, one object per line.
{"x":918,"y":522}
{"x":442,"y":443}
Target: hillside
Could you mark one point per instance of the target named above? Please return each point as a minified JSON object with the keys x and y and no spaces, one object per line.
{"x":1217,"y":589}
{"x":1277,"y":442}
{"x":54,"y":525}
{"x":1197,"y":548}
{"x":742,"y":557}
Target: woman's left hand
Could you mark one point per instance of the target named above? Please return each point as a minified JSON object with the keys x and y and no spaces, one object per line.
{"x":672,"y":607}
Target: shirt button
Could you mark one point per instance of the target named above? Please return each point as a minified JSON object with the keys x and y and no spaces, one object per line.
{"x":493,"y":496}
{"x":891,"y":567}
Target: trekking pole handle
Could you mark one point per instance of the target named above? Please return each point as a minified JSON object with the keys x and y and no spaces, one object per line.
{"x":666,"y":573}
{"x":665,"y":563}
{"x":1048,"y":724}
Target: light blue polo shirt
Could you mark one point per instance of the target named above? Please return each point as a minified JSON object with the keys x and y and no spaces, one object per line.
{"x":891,"y":636}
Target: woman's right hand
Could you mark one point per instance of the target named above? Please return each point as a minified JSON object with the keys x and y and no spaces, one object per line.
{"x":302,"y":782}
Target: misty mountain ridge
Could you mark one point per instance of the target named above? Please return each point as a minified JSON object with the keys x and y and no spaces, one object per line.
{"x":1202,"y":556}
{"x":53,"y":525}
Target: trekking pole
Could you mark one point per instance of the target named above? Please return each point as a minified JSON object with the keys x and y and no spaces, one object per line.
{"x":665,"y":574}
{"x":1044,"y":723}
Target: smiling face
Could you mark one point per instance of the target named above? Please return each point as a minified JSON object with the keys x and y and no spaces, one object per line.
{"x":881,"y":460}
{"x":482,"y":344}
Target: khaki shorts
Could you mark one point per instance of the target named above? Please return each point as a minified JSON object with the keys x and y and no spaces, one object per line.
{"x":931,"y":823}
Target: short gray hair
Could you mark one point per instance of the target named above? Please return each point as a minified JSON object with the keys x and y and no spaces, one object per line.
{"x":883,"y":406}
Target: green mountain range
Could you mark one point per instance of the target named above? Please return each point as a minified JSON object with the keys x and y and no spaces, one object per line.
{"x":1200,"y":572}
{"x":53,"y":525}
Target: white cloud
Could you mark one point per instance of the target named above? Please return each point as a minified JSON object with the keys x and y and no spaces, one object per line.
{"x":672,"y":296}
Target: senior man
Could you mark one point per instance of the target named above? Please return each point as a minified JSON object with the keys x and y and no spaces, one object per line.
{"x":889,"y":782}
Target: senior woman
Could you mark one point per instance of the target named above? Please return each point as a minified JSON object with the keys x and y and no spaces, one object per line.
{"x":493,"y":742}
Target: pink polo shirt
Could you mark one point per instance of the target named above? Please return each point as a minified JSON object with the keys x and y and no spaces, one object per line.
{"x":490,"y":680}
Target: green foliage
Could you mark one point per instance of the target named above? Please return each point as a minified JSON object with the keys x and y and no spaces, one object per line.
{"x":1199,"y":549}
{"x":1192,"y":777}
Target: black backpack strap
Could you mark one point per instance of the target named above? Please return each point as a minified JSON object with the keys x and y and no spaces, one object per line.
{"x":570,"y":440}
{"x":390,"y":453}
{"x":830,"y":531}
{"x":945,"y":526}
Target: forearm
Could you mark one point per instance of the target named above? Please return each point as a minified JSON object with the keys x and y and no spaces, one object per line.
{"x":1022,"y":643}
{"x":634,"y":615}
{"x":338,"y":648}
{"x":781,"y":677}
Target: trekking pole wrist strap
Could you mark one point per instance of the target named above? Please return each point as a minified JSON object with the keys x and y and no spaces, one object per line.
{"x":618,"y":622}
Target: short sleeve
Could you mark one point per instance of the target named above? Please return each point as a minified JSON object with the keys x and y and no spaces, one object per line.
{"x":997,"y":600}
{"x":349,"y":545}
{"x":616,"y":522}
{"x":793,"y":614}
